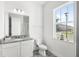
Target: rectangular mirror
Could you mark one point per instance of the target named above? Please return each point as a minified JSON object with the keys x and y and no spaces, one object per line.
{"x":18,"y":25}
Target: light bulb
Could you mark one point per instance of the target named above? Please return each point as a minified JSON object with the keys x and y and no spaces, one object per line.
{"x":15,"y":10}
{"x":19,"y":10}
{"x":22,"y":11}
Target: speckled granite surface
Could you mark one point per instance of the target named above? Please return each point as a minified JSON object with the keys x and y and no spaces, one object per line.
{"x":7,"y":41}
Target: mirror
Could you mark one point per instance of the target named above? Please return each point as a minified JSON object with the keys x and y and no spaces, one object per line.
{"x":18,"y":25}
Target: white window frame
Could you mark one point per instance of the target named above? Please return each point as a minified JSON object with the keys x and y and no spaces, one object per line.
{"x":54,"y":21}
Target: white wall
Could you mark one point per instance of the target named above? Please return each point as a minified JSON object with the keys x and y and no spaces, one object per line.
{"x":1,"y":20}
{"x":57,"y":47}
{"x":33,"y":10}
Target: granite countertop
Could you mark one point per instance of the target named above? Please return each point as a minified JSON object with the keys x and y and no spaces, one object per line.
{"x":13,"y":40}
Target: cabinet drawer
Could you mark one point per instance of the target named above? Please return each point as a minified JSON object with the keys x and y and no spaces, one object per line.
{"x":11,"y":45}
{"x":25,"y":43}
{"x":26,"y":51}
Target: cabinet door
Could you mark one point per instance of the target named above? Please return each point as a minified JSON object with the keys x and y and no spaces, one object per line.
{"x":0,"y":53}
{"x":11,"y":50}
{"x":27,"y":48}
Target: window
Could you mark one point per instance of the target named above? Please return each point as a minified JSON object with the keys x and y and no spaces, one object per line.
{"x":64,"y":17}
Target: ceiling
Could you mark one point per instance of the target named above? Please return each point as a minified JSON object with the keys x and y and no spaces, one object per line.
{"x":26,"y":2}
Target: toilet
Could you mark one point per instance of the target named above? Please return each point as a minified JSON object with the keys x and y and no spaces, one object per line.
{"x":42,"y":48}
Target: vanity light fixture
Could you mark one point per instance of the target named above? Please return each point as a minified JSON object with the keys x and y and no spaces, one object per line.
{"x":18,"y":10}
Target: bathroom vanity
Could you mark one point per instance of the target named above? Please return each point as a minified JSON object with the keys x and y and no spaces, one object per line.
{"x":17,"y":42}
{"x":17,"y":48}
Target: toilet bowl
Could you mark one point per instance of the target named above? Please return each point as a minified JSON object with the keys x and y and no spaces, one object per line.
{"x":42,"y":48}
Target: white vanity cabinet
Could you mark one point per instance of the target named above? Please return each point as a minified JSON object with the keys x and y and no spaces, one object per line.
{"x":18,"y":49}
{"x":11,"y":49}
{"x":27,"y":48}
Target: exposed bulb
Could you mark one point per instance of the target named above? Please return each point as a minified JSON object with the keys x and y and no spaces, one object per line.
{"x":15,"y":10}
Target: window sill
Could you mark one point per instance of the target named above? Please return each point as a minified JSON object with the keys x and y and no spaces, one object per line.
{"x":71,"y":42}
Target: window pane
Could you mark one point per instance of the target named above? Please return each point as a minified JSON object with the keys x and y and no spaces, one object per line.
{"x":65,"y":22}
{"x":70,"y":22}
{"x":63,"y":17}
{"x":57,"y":16}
